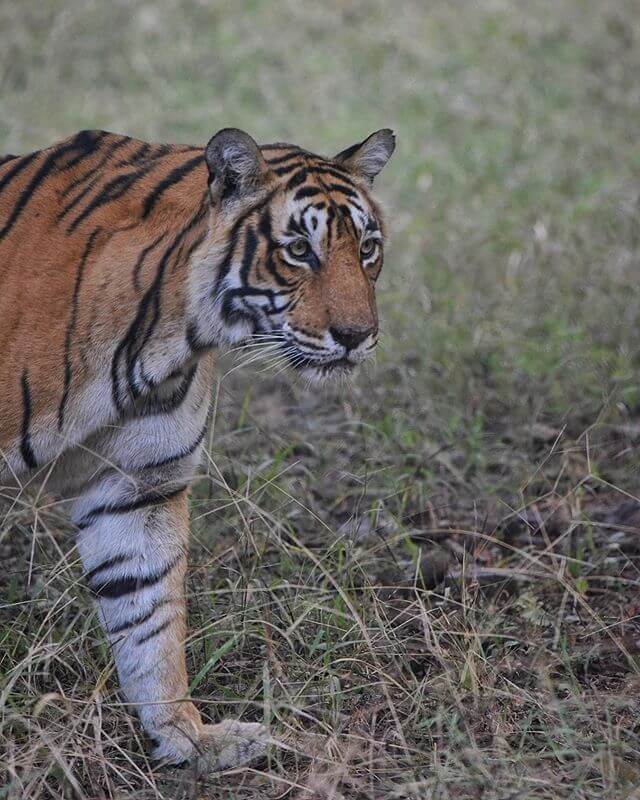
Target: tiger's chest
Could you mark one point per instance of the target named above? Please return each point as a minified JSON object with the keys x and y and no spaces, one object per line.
{"x":161,"y":422}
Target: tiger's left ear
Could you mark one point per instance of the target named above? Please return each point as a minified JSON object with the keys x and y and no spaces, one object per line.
{"x":236,"y":165}
{"x":367,"y":158}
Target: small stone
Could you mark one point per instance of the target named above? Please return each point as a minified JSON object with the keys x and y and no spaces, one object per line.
{"x":434,"y":566}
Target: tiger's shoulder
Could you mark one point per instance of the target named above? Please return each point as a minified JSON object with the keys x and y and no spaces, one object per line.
{"x":94,"y":171}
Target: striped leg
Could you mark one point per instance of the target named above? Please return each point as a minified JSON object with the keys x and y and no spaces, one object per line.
{"x":133,"y":544}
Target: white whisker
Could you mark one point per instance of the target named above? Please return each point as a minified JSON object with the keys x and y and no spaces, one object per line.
{"x":253,"y":357}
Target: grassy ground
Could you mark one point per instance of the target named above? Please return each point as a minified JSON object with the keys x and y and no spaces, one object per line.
{"x":429,"y":582}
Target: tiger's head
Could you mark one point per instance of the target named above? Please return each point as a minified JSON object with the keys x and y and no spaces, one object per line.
{"x":297,"y":241}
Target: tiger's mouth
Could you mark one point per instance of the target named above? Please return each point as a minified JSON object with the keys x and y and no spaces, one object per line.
{"x":285,"y":352}
{"x":318,"y":369}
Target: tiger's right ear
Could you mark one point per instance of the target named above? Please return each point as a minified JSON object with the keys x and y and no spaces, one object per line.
{"x":367,"y":158}
{"x":236,"y":165}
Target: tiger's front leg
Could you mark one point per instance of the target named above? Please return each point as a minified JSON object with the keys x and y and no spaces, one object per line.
{"x":133,"y":544}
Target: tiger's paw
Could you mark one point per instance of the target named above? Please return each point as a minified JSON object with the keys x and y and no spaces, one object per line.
{"x":230,"y":744}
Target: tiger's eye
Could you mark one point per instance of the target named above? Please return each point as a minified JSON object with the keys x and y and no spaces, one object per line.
{"x":299,"y":248}
{"x":367,"y":247}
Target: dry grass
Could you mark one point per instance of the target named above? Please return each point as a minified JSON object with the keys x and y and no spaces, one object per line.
{"x":428,"y":582}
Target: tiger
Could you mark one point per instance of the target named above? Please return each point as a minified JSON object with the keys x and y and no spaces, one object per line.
{"x":125,"y":266}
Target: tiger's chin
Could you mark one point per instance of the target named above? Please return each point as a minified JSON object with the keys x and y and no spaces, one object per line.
{"x":331,"y":371}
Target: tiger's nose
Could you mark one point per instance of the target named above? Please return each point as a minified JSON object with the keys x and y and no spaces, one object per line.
{"x":350,"y":337}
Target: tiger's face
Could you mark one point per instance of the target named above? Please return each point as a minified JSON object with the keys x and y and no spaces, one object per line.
{"x":298,"y":244}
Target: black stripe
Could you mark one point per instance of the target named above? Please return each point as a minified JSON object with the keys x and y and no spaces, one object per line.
{"x":282,"y":171}
{"x":193,"y":338}
{"x":307,"y":191}
{"x":272,"y":162}
{"x":297,"y":179}
{"x":108,"y":564}
{"x":250,"y":246}
{"x":314,"y":217}
{"x":5,"y":159}
{"x":80,"y":196}
{"x":91,"y":173}
{"x":113,"y":190}
{"x":187,"y":451}
{"x":22,"y":164}
{"x":118,"y":588}
{"x":85,"y":142}
{"x":167,"y":405}
{"x":141,"y":259}
{"x":154,"y":152}
{"x":287,"y":169}
{"x":75,"y":160}
{"x":190,"y":250}
{"x":340,"y":187}
{"x":228,"y":310}
{"x":138,"y":155}
{"x":150,"y":382}
{"x":346,"y":218}
{"x":71,"y":327}
{"x":148,"y":500}
{"x":177,"y":258}
{"x":281,"y":146}
{"x":310,"y":345}
{"x":355,"y":204}
{"x":289,"y":305}
{"x":331,"y":213}
{"x":336,"y":173}
{"x":174,"y":177}
{"x":152,"y":633}
{"x":25,"y":442}
{"x":293,"y":226}
{"x":158,"y":151}
{"x":161,"y":151}
{"x":265,"y":230}
{"x":27,"y":193}
{"x":140,"y":619}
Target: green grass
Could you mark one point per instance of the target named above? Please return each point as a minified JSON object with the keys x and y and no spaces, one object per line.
{"x":428,"y":582}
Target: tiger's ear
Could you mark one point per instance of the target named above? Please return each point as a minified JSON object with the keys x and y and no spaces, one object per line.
{"x":236,"y":165}
{"x":367,"y":158}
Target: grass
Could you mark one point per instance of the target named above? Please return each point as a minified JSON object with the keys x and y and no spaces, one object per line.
{"x":429,"y":581}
